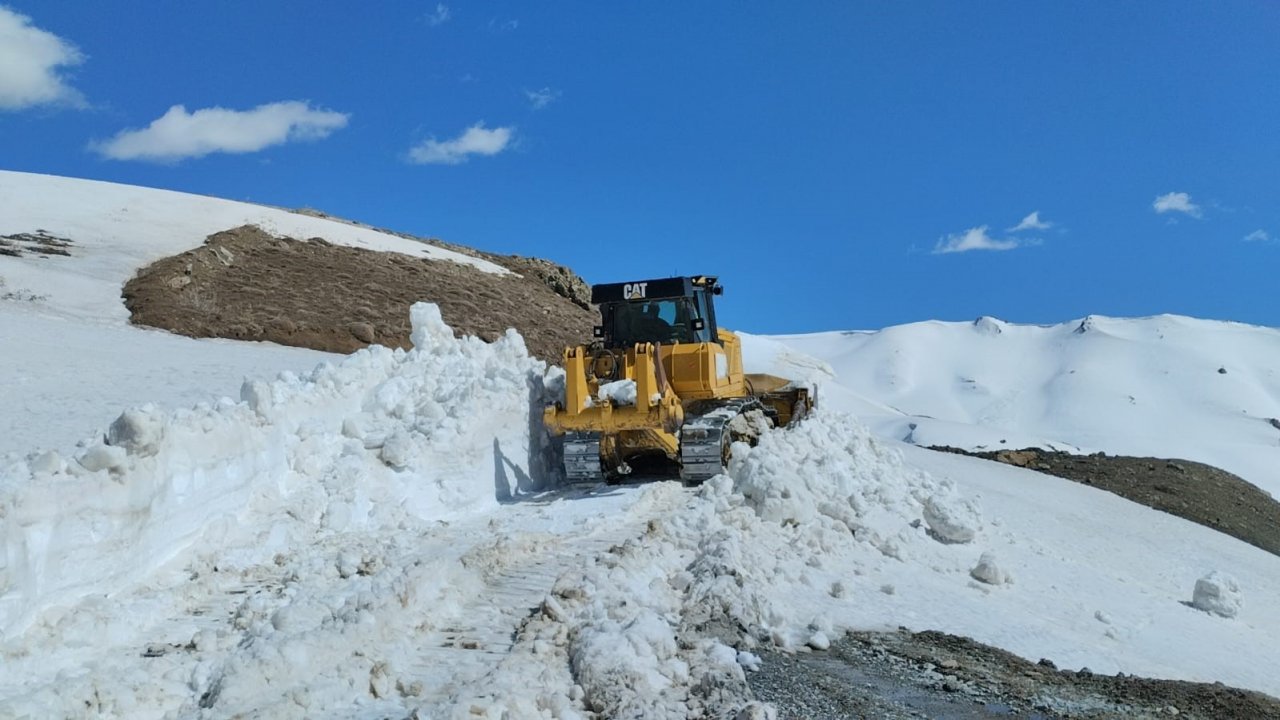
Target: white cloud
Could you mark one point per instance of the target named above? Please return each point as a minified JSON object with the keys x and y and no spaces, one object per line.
{"x":31,"y":60}
{"x":178,"y":134}
{"x":503,"y":26}
{"x":1259,"y":236}
{"x":542,"y":98}
{"x":440,"y":16}
{"x":973,"y":239}
{"x":475,"y":140}
{"x":1176,"y":202}
{"x":1031,"y":222}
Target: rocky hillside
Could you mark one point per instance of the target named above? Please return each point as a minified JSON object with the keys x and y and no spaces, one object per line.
{"x":245,"y":283}
{"x":1197,"y":492}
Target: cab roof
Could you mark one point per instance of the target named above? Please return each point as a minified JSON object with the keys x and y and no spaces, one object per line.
{"x":650,"y":289}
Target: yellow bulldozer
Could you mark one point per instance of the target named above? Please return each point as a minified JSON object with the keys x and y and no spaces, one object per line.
{"x":661,"y":390}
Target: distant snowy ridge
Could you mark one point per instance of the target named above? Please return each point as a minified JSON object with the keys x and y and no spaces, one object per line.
{"x":116,"y":229}
{"x":379,"y":437}
{"x":1165,"y":386}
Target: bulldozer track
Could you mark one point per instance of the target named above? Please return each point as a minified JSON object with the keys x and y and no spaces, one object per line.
{"x":582,"y":458}
{"x":511,"y":595}
{"x":705,"y":439}
{"x":704,"y":445}
{"x":473,"y":649}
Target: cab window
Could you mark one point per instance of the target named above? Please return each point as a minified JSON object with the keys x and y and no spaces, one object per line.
{"x":668,"y":320}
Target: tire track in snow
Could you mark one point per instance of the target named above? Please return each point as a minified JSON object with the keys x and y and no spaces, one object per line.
{"x":515,"y":590}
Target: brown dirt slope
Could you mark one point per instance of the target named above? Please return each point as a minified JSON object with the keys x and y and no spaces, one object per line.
{"x":1191,"y":490}
{"x":246,"y":284}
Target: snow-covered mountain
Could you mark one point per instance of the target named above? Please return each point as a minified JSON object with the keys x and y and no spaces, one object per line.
{"x":1164,"y":386}
{"x":365,"y":539}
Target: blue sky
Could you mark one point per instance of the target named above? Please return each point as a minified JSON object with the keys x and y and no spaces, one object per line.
{"x":818,"y":156}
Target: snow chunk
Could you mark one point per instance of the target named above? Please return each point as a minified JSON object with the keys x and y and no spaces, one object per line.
{"x":749,"y":660}
{"x":987,"y":325}
{"x":757,"y":711}
{"x":819,"y":641}
{"x":138,"y":430}
{"x":397,"y":450}
{"x":429,"y":328}
{"x":950,"y":520}
{"x":1218,"y":594}
{"x":720,"y":654}
{"x":619,"y":392}
{"x":628,"y":665}
{"x":48,"y":462}
{"x":989,"y":572}
{"x":103,"y":457}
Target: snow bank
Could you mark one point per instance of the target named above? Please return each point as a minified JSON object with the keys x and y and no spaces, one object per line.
{"x":382,"y":437}
{"x":830,"y":470}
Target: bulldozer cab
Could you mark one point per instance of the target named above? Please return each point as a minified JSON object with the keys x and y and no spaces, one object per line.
{"x":666,"y":311}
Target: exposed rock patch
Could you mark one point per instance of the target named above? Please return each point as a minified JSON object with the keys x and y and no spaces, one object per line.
{"x":39,"y":243}
{"x":246,"y":284}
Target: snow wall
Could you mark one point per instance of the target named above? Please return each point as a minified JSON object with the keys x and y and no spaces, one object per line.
{"x":384,"y":438}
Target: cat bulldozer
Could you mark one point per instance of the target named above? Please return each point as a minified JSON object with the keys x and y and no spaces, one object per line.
{"x":661,"y":389}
